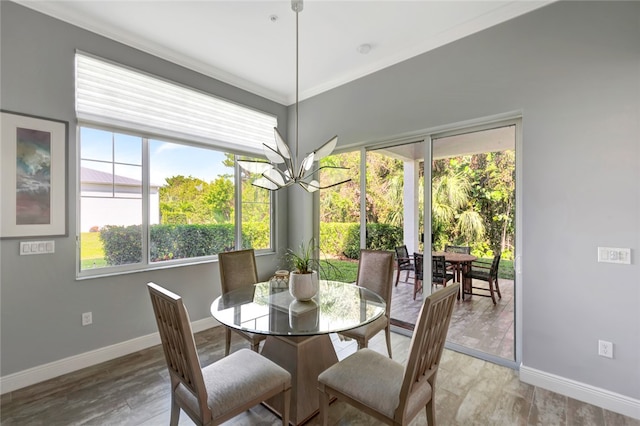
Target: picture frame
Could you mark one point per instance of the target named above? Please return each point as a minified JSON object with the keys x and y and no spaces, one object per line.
{"x":34,"y":178}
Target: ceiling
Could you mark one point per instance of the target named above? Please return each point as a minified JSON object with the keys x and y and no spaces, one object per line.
{"x":496,"y":139}
{"x":251,"y":44}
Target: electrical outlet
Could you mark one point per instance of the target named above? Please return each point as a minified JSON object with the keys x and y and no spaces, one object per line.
{"x":87,"y":318}
{"x":605,"y":349}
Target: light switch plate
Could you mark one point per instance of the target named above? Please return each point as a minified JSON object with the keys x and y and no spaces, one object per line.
{"x":614,"y":255}
{"x":37,"y":247}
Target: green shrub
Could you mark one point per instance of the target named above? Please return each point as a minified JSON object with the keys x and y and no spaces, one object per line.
{"x":256,"y":235}
{"x":333,"y":237}
{"x":380,"y":236}
{"x":123,"y":245}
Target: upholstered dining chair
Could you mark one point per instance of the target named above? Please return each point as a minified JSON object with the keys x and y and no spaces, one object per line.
{"x":386,"y":389}
{"x":238,"y":269}
{"x":222,"y":390}
{"x":440,"y":275}
{"x":375,"y":272}
{"x":484,"y":272}
{"x":403,"y":262}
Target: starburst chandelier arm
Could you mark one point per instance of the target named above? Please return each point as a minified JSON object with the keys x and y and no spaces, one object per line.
{"x":334,"y":184}
{"x":254,"y":166}
{"x":305,"y":165}
{"x":264,"y":183}
{"x":326,"y":149}
{"x":282,"y":146}
{"x":331,"y":179}
{"x":314,"y":185}
{"x":273,"y":155}
{"x":346,"y":169}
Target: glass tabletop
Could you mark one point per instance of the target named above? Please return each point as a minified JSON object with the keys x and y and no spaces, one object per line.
{"x":266,"y":308}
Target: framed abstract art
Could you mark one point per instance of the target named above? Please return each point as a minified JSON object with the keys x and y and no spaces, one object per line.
{"x":33,"y":181}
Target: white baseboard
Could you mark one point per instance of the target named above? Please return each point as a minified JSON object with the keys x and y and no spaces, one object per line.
{"x":44,"y":372}
{"x":590,"y":394}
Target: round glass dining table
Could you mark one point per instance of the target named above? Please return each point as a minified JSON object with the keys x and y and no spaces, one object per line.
{"x":266,"y":309}
{"x":298,"y":332}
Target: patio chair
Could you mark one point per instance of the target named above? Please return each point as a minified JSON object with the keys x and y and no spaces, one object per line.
{"x":386,"y":389}
{"x":484,"y":271}
{"x":439,"y":271}
{"x":375,"y":272}
{"x":219,"y":391}
{"x":403,"y":262}
{"x":456,"y":249}
{"x":418,"y":262}
{"x":238,"y":269}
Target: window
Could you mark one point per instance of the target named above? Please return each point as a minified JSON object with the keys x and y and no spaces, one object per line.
{"x":149,"y":201}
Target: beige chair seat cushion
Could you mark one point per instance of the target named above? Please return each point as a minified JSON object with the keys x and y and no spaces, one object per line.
{"x":359,"y":377}
{"x":235,"y":379}
{"x":370,"y":329}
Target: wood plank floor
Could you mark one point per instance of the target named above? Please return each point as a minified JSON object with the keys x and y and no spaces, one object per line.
{"x":134,"y":390}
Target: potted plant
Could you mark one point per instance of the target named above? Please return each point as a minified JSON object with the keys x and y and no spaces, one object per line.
{"x":303,"y":280}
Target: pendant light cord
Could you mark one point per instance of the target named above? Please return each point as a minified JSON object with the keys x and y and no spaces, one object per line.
{"x":297,"y":115}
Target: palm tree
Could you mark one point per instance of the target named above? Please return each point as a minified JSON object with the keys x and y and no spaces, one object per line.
{"x":453,"y":216}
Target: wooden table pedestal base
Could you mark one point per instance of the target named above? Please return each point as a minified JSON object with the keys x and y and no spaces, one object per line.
{"x":305,"y":358}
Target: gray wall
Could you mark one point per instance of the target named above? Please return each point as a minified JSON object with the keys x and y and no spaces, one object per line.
{"x":41,"y":301}
{"x":573,"y":69}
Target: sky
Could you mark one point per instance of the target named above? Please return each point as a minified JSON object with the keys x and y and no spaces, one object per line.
{"x":167,"y":159}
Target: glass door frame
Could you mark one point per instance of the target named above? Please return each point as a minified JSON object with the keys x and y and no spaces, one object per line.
{"x":486,"y":123}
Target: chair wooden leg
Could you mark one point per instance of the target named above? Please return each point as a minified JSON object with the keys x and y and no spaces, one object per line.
{"x":255,"y":347}
{"x":417,"y":285}
{"x":227,"y":341}
{"x":175,"y":412}
{"x":431,"y":415}
{"x":324,"y":406}
{"x":397,"y":276}
{"x":387,"y":332}
{"x":498,"y":289}
{"x":493,"y":297}
{"x":286,"y":407}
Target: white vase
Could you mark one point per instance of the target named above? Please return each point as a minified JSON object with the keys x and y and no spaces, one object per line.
{"x":303,"y":316}
{"x":303,"y":286}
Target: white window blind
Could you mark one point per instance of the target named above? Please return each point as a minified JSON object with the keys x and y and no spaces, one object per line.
{"x":114,"y":95}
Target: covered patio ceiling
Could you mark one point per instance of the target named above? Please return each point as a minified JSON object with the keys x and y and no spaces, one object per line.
{"x":492,"y":140}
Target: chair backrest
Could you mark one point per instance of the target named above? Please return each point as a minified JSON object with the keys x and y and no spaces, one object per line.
{"x":178,"y":344}
{"x":375,"y":272}
{"x":458,"y":249}
{"x":494,"y":266}
{"x":438,"y":266}
{"x":237,"y":269}
{"x":427,"y":344}
{"x":418,"y":264}
{"x":402,"y":255}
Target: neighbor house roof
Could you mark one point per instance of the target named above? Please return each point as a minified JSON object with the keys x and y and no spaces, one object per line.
{"x":88,"y":175}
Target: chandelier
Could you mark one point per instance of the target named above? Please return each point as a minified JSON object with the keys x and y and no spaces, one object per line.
{"x":282,"y":170}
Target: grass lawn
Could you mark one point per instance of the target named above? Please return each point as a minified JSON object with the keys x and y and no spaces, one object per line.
{"x":91,"y":252}
{"x":92,"y":256}
{"x":347,"y":271}
{"x":339,"y":270}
